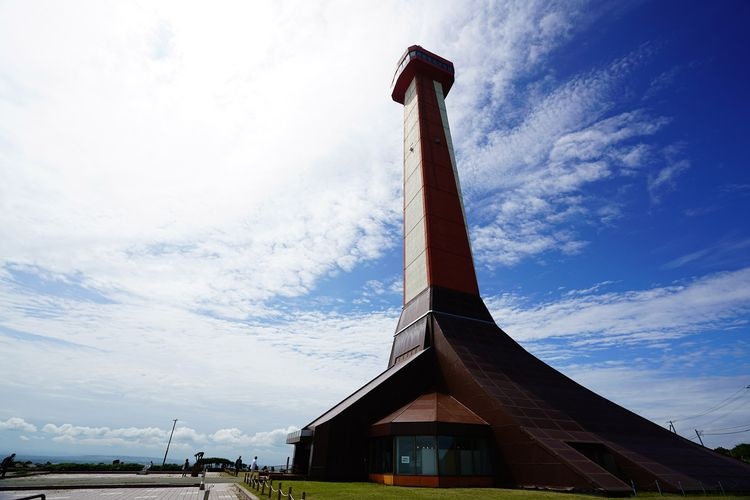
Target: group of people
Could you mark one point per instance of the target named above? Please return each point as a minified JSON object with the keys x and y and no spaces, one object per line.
{"x":253,"y":466}
{"x":237,"y":466}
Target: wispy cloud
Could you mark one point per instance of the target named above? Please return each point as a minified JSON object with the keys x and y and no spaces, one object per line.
{"x":727,"y":251}
{"x":713,"y":302}
{"x":189,"y":169}
{"x":527,"y":179}
{"x":671,"y":397}
{"x":664,"y":179}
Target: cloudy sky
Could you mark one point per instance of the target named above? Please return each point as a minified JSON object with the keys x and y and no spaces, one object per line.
{"x":200,"y":209}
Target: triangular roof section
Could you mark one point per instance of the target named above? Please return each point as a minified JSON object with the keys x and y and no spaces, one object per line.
{"x":363,"y":391}
{"x":433,"y":407}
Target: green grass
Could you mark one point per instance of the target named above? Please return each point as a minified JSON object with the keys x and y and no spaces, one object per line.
{"x":337,"y":491}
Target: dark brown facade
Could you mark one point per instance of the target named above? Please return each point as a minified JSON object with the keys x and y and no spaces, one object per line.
{"x":461,"y":403}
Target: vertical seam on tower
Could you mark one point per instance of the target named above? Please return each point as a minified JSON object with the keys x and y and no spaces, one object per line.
{"x":422,"y":130}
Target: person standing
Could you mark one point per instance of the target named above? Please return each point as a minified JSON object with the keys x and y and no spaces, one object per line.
{"x":238,"y":465}
{"x":185,"y":467}
{"x":6,"y":464}
{"x":254,"y":468}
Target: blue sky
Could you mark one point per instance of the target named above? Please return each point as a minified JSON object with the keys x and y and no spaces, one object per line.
{"x":200,"y":209}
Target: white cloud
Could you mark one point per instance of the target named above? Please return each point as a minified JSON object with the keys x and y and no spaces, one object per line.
{"x":726,"y":252}
{"x":713,"y":302}
{"x":184,"y":438}
{"x":17,"y":424}
{"x":270,"y":439}
{"x":149,"y":436}
{"x":228,"y":180}
{"x":671,"y":397}
{"x":214,"y":173}
{"x":131,"y":353}
{"x":527,"y":182}
{"x":663,"y":181}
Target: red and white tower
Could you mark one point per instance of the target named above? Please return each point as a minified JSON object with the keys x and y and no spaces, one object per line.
{"x":436,"y":243}
{"x":461,"y":403}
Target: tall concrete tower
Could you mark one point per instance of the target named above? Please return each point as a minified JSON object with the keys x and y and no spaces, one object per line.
{"x":461,"y":403}
{"x":438,"y":264}
{"x":436,"y":244}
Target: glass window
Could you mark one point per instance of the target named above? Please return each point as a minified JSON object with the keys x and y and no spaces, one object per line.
{"x":426,"y":454}
{"x":405,"y":455}
{"x":430,"y":456}
{"x":447,"y":456}
{"x":463,"y":456}
{"x":381,"y":455}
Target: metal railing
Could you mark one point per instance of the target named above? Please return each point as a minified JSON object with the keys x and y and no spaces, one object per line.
{"x":655,"y":487}
{"x":260,"y":485}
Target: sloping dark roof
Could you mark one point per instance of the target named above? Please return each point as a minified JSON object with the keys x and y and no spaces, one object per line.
{"x":363,"y":391}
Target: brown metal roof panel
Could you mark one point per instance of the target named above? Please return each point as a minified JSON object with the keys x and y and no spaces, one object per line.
{"x":433,"y":407}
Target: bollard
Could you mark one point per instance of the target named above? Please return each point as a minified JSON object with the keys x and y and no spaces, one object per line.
{"x":206,"y":494}
{"x":278,"y":497}
{"x":263,"y":488}
{"x":289,"y":493}
{"x":303,"y":496}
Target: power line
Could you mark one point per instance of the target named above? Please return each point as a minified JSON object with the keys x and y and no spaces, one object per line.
{"x":729,"y":412}
{"x":724,"y":433}
{"x":732,"y":398}
{"x":730,"y":428}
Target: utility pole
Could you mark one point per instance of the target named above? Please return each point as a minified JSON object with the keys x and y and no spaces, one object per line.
{"x":697,"y":433}
{"x":168,"y":443}
{"x":671,"y":427}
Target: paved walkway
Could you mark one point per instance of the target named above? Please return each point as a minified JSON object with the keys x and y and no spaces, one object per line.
{"x":76,"y":480}
{"x":121,"y":487}
{"x":215,"y":492}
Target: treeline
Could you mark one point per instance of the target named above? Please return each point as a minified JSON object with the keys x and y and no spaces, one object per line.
{"x":740,"y":452}
{"x":117,"y":466}
{"x":70,"y":466}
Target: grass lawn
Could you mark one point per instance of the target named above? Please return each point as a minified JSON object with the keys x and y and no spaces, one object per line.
{"x":334,"y":491}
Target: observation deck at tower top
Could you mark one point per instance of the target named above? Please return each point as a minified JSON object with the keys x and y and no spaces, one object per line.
{"x":418,"y":60}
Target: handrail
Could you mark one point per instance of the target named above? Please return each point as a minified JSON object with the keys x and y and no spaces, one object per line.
{"x":698,"y":487}
{"x":261,"y":487}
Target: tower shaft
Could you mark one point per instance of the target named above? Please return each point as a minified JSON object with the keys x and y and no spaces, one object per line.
{"x":439,"y":270}
{"x":436,"y":242}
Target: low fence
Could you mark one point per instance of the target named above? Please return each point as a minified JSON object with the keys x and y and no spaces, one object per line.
{"x":655,"y":487}
{"x":263,"y":483}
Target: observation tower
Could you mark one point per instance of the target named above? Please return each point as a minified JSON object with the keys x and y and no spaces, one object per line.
{"x":461,"y":403}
